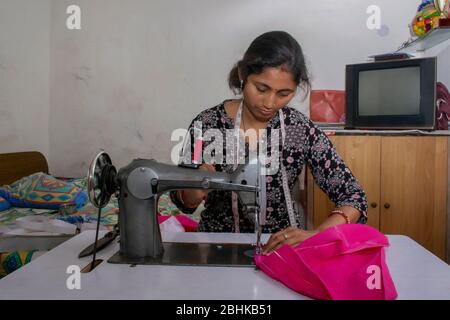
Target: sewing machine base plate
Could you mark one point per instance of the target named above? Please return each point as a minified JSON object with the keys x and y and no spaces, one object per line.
{"x":197,"y":254}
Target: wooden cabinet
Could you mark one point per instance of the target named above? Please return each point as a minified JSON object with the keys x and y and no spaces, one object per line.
{"x":405,"y":179}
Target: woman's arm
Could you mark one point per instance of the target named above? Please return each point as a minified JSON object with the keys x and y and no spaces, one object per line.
{"x":352,"y":214}
{"x":294,"y":236}
{"x":187,"y":200}
{"x":336,"y":180}
{"x":191,"y":198}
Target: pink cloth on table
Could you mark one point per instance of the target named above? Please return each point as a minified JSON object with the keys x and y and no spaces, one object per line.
{"x":188,"y":224}
{"x":342,"y":262}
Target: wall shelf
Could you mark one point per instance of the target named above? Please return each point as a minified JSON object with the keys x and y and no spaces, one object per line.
{"x":431,"y":39}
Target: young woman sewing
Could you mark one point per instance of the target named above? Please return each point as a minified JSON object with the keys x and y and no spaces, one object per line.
{"x":268,"y":76}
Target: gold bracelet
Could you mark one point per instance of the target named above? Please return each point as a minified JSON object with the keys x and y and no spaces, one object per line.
{"x":341,"y":213}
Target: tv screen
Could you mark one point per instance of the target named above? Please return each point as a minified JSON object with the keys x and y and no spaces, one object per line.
{"x":397,"y":94}
{"x":389,"y":92}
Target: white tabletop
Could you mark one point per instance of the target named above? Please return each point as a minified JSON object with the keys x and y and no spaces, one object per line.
{"x":416,"y":272}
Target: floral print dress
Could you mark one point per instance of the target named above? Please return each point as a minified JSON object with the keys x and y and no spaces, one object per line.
{"x":304,"y":145}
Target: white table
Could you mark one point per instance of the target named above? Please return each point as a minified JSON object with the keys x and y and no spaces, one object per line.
{"x":416,"y":272}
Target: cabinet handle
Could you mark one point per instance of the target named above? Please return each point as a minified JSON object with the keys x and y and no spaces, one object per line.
{"x":387,"y":205}
{"x":373,"y":204}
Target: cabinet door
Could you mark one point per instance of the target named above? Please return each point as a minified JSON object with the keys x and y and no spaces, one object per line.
{"x":414,"y":189}
{"x":362,"y":155}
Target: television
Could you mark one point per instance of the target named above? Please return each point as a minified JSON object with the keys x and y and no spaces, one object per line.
{"x":396,"y":94}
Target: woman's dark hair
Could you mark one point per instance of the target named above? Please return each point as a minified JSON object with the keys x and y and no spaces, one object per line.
{"x":271,"y":49}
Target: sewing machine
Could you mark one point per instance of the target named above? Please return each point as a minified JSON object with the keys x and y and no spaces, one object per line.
{"x":139,"y":185}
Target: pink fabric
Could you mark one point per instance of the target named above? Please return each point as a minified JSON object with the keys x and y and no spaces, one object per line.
{"x":327,"y":106}
{"x":198,"y":148}
{"x":342,"y":262}
{"x":188,"y":224}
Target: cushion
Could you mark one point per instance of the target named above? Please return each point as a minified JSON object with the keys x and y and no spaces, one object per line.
{"x":4,"y":205}
{"x":11,"y":261}
{"x":43,"y":191}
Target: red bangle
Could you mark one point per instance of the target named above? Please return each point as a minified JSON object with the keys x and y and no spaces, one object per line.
{"x":341,"y":213}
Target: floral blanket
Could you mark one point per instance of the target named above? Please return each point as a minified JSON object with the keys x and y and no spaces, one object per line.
{"x":10,"y":261}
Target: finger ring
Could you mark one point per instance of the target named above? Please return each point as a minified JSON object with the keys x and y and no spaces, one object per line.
{"x":285,"y":236}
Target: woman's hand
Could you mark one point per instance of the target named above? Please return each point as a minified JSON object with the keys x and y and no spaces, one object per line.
{"x":291,"y":236}
{"x":193,"y":197}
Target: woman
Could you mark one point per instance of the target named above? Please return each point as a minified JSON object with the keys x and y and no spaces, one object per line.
{"x":268,"y":76}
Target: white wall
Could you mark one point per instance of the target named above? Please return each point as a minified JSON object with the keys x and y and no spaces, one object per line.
{"x":443,"y":65}
{"x":138,"y":69}
{"x":24,"y":75}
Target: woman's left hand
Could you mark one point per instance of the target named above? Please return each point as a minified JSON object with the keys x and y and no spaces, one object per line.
{"x":291,"y":236}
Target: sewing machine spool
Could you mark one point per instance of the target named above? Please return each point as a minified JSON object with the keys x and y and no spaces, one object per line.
{"x":101,"y":183}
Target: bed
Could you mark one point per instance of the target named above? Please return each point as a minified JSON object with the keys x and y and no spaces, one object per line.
{"x":17,"y":248}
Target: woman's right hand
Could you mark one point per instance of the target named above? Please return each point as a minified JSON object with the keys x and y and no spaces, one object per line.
{"x":193,"y":197}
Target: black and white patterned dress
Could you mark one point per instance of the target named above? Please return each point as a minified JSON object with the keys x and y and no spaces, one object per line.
{"x":304,"y":144}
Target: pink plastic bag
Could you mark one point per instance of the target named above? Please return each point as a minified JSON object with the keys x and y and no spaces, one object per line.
{"x":327,"y":106}
{"x":343,"y":262}
{"x":188,"y":224}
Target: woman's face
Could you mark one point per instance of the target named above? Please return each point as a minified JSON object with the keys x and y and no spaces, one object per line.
{"x":267,"y":92}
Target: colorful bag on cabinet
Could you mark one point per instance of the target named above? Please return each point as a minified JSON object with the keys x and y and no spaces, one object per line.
{"x":327,"y":106}
{"x":442,"y":106}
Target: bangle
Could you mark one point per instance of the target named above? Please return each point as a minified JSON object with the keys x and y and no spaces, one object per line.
{"x":341,"y":213}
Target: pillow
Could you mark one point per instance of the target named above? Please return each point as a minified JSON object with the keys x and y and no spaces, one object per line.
{"x":11,"y":261}
{"x":42,"y":191}
{"x":4,"y":205}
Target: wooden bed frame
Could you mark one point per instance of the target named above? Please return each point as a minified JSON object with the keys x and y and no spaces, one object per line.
{"x":14,"y":166}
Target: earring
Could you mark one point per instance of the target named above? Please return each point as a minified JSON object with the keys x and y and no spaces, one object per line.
{"x":242,"y":85}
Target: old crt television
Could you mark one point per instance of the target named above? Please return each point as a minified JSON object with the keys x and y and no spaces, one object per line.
{"x":395,"y":94}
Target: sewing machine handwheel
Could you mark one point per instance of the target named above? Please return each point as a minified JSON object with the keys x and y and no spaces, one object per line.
{"x":101,"y":183}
